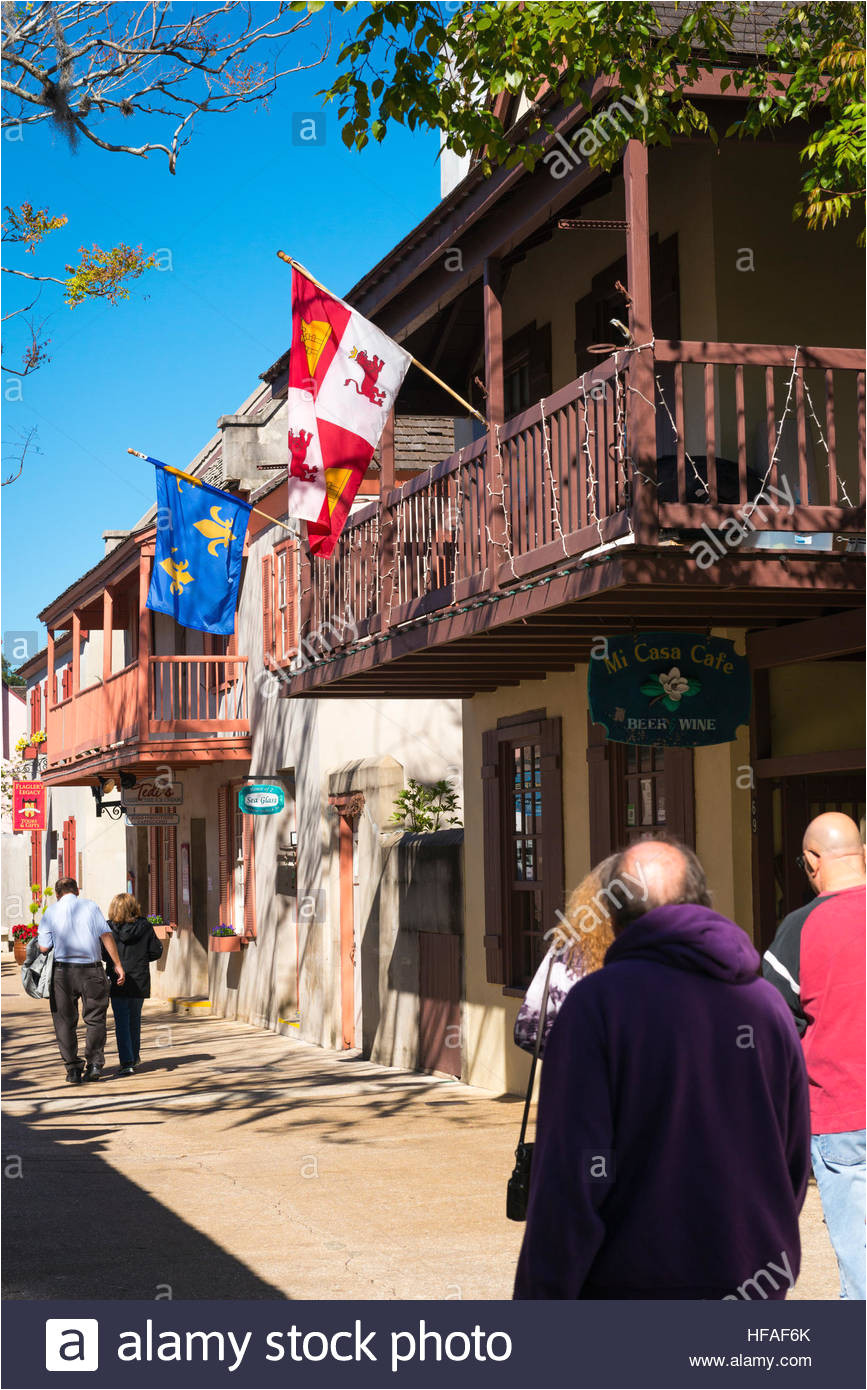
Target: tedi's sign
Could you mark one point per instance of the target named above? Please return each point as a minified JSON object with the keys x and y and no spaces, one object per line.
{"x":153,"y":793}
{"x":680,"y":689}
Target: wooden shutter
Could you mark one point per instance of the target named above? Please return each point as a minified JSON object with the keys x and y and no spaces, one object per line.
{"x":679,"y":795}
{"x":268,"y":569}
{"x":224,"y":847}
{"x":35,"y":709}
{"x":552,"y":820}
{"x":153,"y":871}
{"x":36,"y":857}
{"x":71,"y":849}
{"x":171,"y":848}
{"x":600,"y":793}
{"x":289,"y":628}
{"x":492,"y":831}
{"x":249,"y":879}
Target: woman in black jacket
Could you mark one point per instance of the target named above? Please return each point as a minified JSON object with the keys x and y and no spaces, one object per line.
{"x":137,"y":945}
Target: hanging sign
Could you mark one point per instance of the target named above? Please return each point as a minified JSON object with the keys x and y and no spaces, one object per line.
{"x":153,"y":793}
{"x":261,"y":799}
{"x":150,"y":815}
{"x":678,"y":689}
{"x":28,"y":806}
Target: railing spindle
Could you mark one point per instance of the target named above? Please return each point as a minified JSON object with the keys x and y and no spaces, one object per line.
{"x":741,"y":423}
{"x":680,"y":431}
{"x":801,"y":433}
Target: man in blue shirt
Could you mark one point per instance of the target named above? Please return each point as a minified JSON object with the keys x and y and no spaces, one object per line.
{"x":77,"y":931}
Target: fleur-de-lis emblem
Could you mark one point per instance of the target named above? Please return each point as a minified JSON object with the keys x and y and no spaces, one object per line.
{"x":179,"y":572}
{"x":220,"y":529}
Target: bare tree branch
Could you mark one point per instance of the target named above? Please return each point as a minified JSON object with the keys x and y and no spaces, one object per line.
{"x":26,"y":442}
{"x":79,"y":64}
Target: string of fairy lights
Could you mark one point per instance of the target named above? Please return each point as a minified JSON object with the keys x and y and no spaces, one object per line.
{"x":432,"y":529}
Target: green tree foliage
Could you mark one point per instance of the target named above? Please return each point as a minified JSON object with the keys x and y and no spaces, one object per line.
{"x":437,"y":66}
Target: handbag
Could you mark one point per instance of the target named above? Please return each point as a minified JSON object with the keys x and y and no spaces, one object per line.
{"x":518,"y":1187}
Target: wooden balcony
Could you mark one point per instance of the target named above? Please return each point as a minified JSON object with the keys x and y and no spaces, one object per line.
{"x":585,"y":514}
{"x":181,"y":710}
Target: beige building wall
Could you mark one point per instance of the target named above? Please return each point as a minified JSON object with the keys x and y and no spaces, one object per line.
{"x":722,"y":803}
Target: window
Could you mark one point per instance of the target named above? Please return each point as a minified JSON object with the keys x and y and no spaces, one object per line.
{"x":526,"y":368}
{"x":237,"y":863}
{"x":523,"y":833}
{"x":637,"y":791}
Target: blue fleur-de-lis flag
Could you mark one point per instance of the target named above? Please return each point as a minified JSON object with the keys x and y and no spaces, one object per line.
{"x":200,"y":547}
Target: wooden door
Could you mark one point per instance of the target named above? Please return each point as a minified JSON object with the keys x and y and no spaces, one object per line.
{"x":199,"y":880}
{"x":347,"y":932}
{"x":793,"y":803}
{"x":439,"y":987}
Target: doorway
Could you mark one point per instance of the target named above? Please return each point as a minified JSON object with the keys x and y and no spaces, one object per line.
{"x":794,"y":802}
{"x":348,"y":858}
{"x":199,"y":880}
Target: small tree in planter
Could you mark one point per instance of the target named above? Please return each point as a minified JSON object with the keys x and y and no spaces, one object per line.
{"x":421,"y":809}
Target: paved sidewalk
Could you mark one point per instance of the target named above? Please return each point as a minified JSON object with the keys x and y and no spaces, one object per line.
{"x":241,"y":1164}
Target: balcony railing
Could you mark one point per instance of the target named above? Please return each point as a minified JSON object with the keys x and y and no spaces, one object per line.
{"x":738,"y":427}
{"x":188,"y":697}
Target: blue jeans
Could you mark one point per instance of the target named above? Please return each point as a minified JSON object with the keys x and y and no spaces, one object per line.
{"x":127,"y":1028}
{"x":838,"y":1162}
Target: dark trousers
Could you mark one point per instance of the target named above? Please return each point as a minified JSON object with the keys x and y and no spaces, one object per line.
{"x":89,"y":983}
{"x":127,"y":1028}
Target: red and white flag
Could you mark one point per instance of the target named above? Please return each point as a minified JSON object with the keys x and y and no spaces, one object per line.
{"x":343,"y":377}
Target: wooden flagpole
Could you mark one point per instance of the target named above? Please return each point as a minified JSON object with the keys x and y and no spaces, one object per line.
{"x":197,"y":482}
{"x":422,"y":368}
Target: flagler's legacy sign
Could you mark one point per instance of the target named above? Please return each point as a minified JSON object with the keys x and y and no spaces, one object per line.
{"x":28,"y":806}
{"x":152,"y":793}
{"x":261,"y":799}
{"x":679,"y":689}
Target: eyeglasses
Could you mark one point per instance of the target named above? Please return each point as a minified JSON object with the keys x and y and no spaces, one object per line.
{"x":803,"y":863}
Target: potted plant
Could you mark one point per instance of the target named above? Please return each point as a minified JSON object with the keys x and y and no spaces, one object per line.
{"x":22,"y":935}
{"x":162,"y":929}
{"x":27,"y":745}
{"x":224,"y":938}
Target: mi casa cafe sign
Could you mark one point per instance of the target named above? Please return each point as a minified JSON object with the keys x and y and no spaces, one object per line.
{"x":261,"y":799}
{"x":153,"y":794}
{"x":679,"y":689}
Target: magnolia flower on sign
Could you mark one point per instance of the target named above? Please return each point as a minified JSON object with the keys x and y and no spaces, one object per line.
{"x":670,"y":687}
{"x":674,"y":684}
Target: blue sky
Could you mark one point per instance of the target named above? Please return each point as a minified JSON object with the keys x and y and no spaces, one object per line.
{"x":157,"y":371}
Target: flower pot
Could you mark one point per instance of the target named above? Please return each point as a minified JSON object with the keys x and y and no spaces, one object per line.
{"x":30,"y":752}
{"x":164,"y":930}
{"x":19,"y":950}
{"x":225,"y":943}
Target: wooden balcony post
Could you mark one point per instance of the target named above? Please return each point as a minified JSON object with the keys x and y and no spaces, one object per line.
{"x":50,"y":677}
{"x":641,"y":416}
{"x":107,"y":629}
{"x":386,"y":521}
{"x":494,"y":500}
{"x":76,"y":652}
{"x":144,"y":643}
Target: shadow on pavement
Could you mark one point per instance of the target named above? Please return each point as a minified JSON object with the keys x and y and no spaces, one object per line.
{"x":75,"y":1228}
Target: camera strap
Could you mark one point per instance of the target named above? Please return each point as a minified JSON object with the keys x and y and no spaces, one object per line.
{"x":543,"y":1019}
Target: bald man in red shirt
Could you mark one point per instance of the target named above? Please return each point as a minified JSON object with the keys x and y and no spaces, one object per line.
{"x":817,"y":962}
